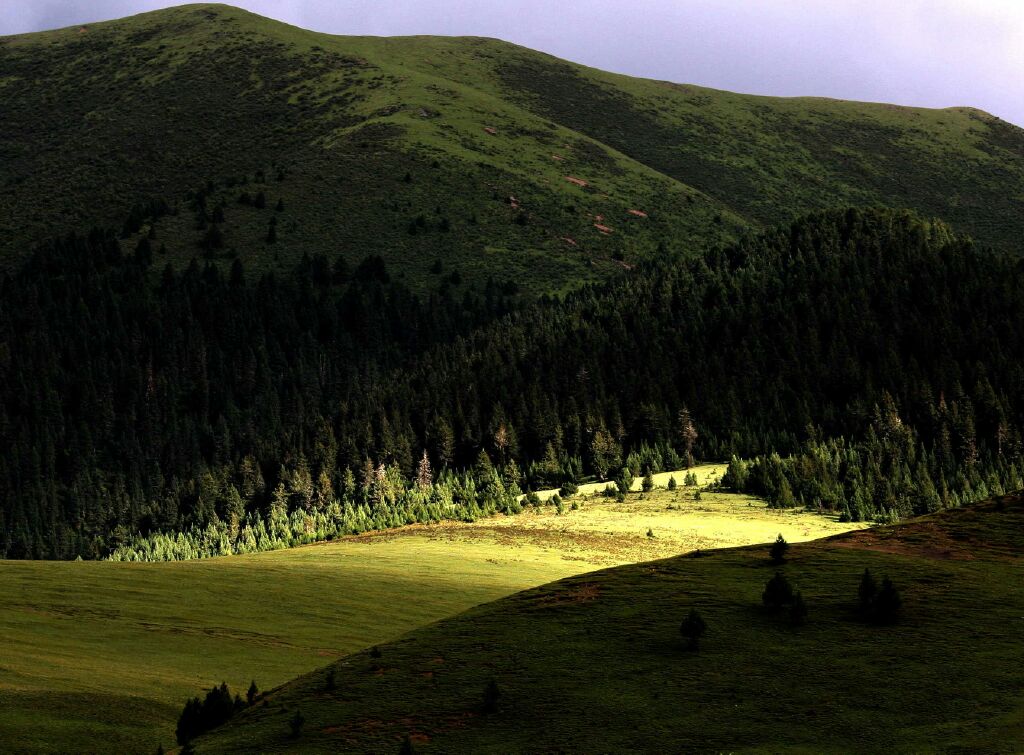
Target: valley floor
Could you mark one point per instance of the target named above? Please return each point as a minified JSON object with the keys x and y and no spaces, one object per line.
{"x":101,"y":656}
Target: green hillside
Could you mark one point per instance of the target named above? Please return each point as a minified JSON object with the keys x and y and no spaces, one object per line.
{"x":100,"y":656}
{"x":596,"y":663}
{"x":454,"y":149}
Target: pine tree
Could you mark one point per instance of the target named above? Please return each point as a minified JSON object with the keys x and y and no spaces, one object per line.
{"x":778,"y":550}
{"x":424,"y":475}
{"x":887,"y":603}
{"x":693,"y":628}
{"x":492,"y":696}
{"x":687,"y":434}
{"x":253,"y":691}
{"x":866,"y":592}
{"x":777,"y":592}
{"x":798,"y":611}
{"x":295,"y":725}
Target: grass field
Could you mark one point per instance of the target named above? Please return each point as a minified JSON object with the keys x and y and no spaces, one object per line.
{"x":101,"y":656}
{"x":596,"y":663}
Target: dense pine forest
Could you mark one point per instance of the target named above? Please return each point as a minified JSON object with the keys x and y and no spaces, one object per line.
{"x":865,"y":362}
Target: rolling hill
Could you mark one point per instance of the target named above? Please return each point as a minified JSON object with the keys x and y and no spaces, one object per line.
{"x":100,"y":656}
{"x":596,"y":663}
{"x":446,"y":156}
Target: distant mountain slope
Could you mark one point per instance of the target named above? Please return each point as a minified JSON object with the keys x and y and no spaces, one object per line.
{"x":495,"y":160}
{"x":596,"y":663}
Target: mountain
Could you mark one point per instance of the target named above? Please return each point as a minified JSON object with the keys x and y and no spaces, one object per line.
{"x":596,"y":663}
{"x":455,"y":159}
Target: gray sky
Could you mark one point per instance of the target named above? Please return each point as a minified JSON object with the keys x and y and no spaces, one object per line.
{"x":933,"y":53}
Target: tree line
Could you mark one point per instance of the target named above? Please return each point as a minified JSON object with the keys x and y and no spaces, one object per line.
{"x":862,"y":361}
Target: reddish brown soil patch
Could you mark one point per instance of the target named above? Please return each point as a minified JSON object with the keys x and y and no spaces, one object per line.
{"x":638,"y":213}
{"x":603,"y":229}
{"x":567,"y":240}
{"x":921,"y":539}
{"x":577,"y":595}
{"x":491,"y":131}
{"x":577,"y":181}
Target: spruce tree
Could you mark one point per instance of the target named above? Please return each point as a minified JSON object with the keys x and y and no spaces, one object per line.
{"x":693,"y":628}
{"x":777,"y":592}
{"x":778,"y":550}
{"x":866,"y":592}
{"x":295,"y":724}
{"x":492,"y":695}
{"x":798,"y":611}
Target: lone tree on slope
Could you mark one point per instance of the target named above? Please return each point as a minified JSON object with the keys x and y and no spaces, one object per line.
{"x":778,"y":550}
{"x":693,"y":628}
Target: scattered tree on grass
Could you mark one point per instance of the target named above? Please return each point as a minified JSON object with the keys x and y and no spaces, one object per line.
{"x":295,"y":724}
{"x":777,"y":592}
{"x":672,"y":483}
{"x":778,"y":550}
{"x":648,"y":483}
{"x":250,"y":696}
{"x":798,"y":611}
{"x":878,"y":605}
{"x":492,"y":694}
{"x":886,"y":606}
{"x":625,"y":481}
{"x":690,"y":479}
{"x":693,"y":628}
{"x":866,"y":592}
{"x":199,"y":716}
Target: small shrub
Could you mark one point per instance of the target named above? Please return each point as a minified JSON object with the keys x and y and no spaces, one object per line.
{"x":569,"y":489}
{"x":672,"y":483}
{"x":650,"y":533}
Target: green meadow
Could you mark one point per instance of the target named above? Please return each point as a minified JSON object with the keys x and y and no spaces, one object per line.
{"x":101,"y":655}
{"x":596,"y":662}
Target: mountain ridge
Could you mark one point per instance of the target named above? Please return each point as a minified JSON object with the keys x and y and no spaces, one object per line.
{"x":538,"y":162}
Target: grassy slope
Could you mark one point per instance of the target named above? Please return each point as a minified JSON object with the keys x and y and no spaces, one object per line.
{"x":97,"y":118}
{"x":594,"y":663}
{"x":101,"y":656}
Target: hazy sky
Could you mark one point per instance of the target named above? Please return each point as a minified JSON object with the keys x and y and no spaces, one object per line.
{"x":933,"y":53}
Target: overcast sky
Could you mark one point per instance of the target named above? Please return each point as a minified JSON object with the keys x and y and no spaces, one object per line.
{"x":933,"y":53}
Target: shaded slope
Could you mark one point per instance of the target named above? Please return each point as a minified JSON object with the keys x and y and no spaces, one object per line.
{"x":594,"y":663}
{"x":100,"y":118}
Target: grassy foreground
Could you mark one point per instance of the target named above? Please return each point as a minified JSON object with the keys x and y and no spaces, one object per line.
{"x":101,"y":656}
{"x":595,"y":663}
